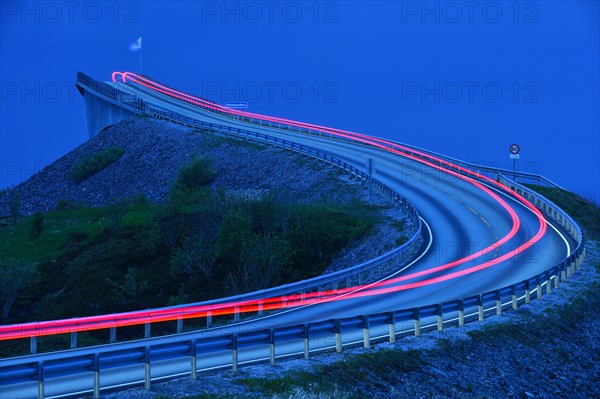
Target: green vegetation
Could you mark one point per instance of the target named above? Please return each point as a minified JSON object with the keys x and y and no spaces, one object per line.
{"x":359,"y":375}
{"x":37,"y":224}
{"x":196,"y":174}
{"x":345,"y":378}
{"x":87,"y":166}
{"x":583,"y":211}
{"x":198,"y":244}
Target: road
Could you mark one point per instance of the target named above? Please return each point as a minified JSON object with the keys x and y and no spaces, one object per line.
{"x":461,"y":218}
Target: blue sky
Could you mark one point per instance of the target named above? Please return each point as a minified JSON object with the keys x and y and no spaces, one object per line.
{"x":464,"y":79}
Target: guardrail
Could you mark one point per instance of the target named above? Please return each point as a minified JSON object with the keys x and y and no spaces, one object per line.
{"x":99,"y":360}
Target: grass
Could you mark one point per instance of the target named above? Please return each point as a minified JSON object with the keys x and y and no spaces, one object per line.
{"x":583,"y":211}
{"x":61,"y":228}
{"x":345,"y":378}
{"x":90,"y":165}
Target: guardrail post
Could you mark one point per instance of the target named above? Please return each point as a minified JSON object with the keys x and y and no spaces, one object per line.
{"x":112,"y":335}
{"x":33,"y":345}
{"x":392,"y":322}
{"x":234,"y":350}
{"x":96,"y":366}
{"x":73,"y":340}
{"x":527,"y":292}
{"x":260,"y":307}
{"x":147,"y":330}
{"x":480,"y":308}
{"x":236,"y":313}
{"x":549,"y":283}
{"x":461,"y":313}
{"x":305,"y":332}
{"x":563,"y":274}
{"x":498,"y":303}
{"x":272,"y":347}
{"x":40,"y":378}
{"x":208,"y":318}
{"x":147,"y":370}
{"x":417,"y":317}
{"x":338,"y":336}
{"x":440,"y":317}
{"x":515,"y":299}
{"x":538,"y":287}
{"x":179,"y":325}
{"x":366,"y":332}
{"x":194,"y":365}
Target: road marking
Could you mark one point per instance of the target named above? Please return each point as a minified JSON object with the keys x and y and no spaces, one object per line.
{"x":526,"y":207}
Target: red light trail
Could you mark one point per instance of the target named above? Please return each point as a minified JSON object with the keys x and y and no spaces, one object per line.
{"x":384,"y":287}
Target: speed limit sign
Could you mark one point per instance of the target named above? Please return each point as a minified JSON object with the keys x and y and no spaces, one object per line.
{"x":514,"y":148}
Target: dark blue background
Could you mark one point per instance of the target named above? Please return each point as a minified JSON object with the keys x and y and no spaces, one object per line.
{"x":399,"y":70}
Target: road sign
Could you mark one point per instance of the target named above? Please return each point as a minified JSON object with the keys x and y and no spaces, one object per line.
{"x":514,"y":156}
{"x":514,"y":149}
{"x":237,"y":104}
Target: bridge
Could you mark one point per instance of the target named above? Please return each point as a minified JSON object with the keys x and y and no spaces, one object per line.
{"x":483,"y":244}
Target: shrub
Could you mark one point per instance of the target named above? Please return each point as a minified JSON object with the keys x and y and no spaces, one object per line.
{"x":37,"y":224}
{"x":65,"y":204}
{"x":194,"y":175}
{"x":78,"y":236}
{"x":87,"y":166}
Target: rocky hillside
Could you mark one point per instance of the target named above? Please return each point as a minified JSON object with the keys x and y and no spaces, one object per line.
{"x":153,"y":153}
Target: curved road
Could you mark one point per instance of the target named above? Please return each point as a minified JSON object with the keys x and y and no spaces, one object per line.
{"x":461,"y":219}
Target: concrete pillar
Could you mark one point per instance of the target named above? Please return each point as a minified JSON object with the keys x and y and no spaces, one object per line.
{"x":147,"y":330}
{"x":179,"y":325}
{"x":73,"y":340}
{"x":33,"y":345}
{"x":515,"y":302}
{"x":113,"y":335}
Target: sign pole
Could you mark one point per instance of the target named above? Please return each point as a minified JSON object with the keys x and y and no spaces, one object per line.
{"x":514,"y":155}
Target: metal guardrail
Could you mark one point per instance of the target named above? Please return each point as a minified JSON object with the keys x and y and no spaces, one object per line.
{"x":40,"y":368}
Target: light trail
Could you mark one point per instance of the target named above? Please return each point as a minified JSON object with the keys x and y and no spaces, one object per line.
{"x":161,"y":315}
